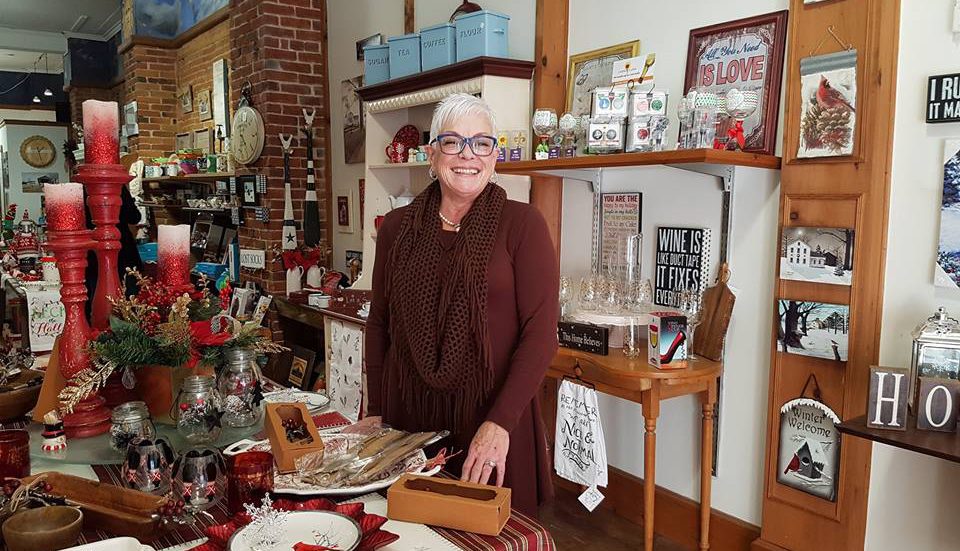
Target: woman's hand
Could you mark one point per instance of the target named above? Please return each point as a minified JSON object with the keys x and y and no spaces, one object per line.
{"x":488,"y":451}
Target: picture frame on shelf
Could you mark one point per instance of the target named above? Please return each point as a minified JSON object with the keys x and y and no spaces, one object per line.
{"x":344,"y":218}
{"x":249,"y":192}
{"x":204,"y":105}
{"x":817,"y":255}
{"x":589,"y":70}
{"x":813,"y":329}
{"x":371,"y":40}
{"x":746,"y":54}
{"x":185,"y":98}
{"x":301,"y":367}
{"x":202,"y":140}
{"x":184,"y":140}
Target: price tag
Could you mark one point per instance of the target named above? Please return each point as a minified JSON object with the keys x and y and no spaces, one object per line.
{"x":591,"y":498}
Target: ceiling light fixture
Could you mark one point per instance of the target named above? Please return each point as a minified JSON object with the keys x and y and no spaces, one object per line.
{"x":46,"y":91}
{"x":36,"y":99}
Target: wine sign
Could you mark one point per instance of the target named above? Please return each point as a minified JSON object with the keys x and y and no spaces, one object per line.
{"x":943,"y":98}
{"x":681,"y":263}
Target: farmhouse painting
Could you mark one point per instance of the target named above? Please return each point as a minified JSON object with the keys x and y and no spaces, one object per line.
{"x":815,"y":329}
{"x":819,"y":255}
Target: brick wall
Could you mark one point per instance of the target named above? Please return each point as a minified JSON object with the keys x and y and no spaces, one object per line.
{"x":150,"y":73}
{"x":195,"y":68}
{"x":277,"y":46}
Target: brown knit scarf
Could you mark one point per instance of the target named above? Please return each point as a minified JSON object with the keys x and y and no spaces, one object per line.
{"x":438,"y":313}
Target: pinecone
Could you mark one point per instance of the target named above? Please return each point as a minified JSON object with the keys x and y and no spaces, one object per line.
{"x":826,"y":128}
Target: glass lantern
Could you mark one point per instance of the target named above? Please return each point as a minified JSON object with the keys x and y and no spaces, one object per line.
{"x":936,"y":351}
{"x":239,"y":387}
{"x":198,"y":410}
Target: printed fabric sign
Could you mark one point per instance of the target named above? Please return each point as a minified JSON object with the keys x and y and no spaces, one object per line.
{"x":346,"y":371}
{"x":682,"y":257}
{"x":620,"y":215}
{"x":580,"y":452}
{"x":46,"y":317}
{"x":809,"y":448}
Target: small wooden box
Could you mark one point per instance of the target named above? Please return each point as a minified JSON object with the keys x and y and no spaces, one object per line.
{"x":449,"y":504}
{"x":285,"y":453}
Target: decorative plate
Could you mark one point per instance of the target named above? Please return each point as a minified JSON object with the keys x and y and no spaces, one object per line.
{"x":325,"y":528}
{"x":408,"y":135}
{"x":333,"y":443}
{"x":313,"y":400}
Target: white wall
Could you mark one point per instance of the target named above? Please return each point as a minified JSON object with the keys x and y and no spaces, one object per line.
{"x":352,"y":20}
{"x":27,"y":114}
{"x":15,"y":135}
{"x":914,"y":499}
{"x":672,"y":197}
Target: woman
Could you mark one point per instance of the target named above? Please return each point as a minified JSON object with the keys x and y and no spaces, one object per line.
{"x":463,"y":322}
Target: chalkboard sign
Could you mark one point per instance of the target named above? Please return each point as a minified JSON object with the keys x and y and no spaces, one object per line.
{"x":681,"y":263}
{"x":943,"y":98}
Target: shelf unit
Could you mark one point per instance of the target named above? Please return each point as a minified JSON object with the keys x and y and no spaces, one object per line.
{"x":190,"y":178}
{"x":502,"y":83}
{"x":943,"y":445}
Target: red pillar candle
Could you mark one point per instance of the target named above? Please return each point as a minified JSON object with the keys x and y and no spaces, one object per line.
{"x":173,"y":256}
{"x":101,"y":132}
{"x":64,"y":207}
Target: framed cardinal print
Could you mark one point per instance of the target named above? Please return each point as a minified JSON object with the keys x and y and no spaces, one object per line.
{"x":828,"y":103}
{"x":746,"y":54}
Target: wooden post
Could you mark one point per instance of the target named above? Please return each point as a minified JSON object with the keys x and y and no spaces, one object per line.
{"x":408,"y":13}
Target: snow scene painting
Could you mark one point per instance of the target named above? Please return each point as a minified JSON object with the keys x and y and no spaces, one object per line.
{"x":820,"y":255}
{"x":815,"y":329}
{"x":809,"y":448}
{"x":948,"y":255}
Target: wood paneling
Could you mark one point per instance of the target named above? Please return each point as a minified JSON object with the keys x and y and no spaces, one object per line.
{"x":850,"y":192}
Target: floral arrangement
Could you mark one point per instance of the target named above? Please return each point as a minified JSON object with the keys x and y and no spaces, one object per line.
{"x":159,"y":326}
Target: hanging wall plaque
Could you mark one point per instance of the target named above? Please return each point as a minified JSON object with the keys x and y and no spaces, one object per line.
{"x":809,"y":446}
{"x":943,"y":98}
{"x":828,"y":101}
{"x":682,"y":262}
{"x":620,"y":216}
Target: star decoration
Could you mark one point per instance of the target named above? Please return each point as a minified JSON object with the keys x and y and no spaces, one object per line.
{"x":266,"y":525}
{"x":290,"y":238}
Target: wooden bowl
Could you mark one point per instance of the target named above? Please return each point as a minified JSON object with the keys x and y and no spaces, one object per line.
{"x":16,"y":403}
{"x":43,"y":529}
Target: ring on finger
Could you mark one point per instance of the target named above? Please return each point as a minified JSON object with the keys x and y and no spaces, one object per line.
{"x":491,"y":463}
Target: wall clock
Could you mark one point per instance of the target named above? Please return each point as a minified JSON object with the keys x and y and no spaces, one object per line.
{"x":247,"y":135}
{"x":38,"y":151}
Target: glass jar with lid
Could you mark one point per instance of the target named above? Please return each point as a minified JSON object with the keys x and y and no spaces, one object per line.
{"x":198,"y":409}
{"x":239,"y":386}
{"x":130,"y":420}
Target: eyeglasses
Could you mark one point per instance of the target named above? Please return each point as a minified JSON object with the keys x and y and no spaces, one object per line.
{"x":452,"y":144}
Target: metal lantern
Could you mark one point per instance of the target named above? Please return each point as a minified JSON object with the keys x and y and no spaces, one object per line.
{"x":936,"y":351}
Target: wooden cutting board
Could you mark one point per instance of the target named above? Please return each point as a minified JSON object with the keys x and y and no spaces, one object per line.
{"x":715,"y":317}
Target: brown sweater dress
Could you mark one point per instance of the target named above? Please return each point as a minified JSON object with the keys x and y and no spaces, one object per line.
{"x":522,"y":310}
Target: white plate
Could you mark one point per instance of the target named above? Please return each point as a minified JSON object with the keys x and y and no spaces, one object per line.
{"x":313,"y":400}
{"x":113,"y":544}
{"x":325,"y":528}
{"x":292,"y":485}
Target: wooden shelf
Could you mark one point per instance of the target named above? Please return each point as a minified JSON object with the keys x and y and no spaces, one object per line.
{"x":478,"y":66}
{"x":394,"y":166}
{"x":625,"y":160}
{"x":945,"y":445}
{"x":199,"y":177}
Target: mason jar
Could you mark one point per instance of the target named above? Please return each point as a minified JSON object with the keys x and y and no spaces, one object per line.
{"x":130,"y":420}
{"x":198,"y":409}
{"x":240,"y":389}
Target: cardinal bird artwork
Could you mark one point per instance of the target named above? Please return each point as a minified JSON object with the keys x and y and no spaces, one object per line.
{"x":809,"y":447}
{"x":829,"y":113}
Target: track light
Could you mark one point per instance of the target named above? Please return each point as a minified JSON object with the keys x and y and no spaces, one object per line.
{"x":36,"y":99}
{"x":47,"y":92}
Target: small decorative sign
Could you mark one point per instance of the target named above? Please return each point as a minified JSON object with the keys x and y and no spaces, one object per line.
{"x":682,"y":258}
{"x":46,"y":317}
{"x":253,"y":258}
{"x":620,"y":217}
{"x":938,"y":405}
{"x":580,"y":452}
{"x":809,"y":448}
{"x":887,"y":398}
{"x":943,"y":98}
{"x":583,"y":336}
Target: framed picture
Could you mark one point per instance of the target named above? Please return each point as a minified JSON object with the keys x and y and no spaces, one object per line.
{"x":591,"y":69}
{"x":185,"y":97}
{"x":204,"y":106}
{"x":353,"y":129}
{"x":249,"y":192}
{"x":201,"y":140}
{"x":947,"y":268}
{"x":32,"y":182}
{"x":302,"y":367}
{"x":818,"y":255}
{"x":372,"y":40}
{"x":184,"y":141}
{"x":344,"y":220}
{"x":130,"y":125}
{"x":746,"y":54}
{"x":828,"y":105}
{"x":814,"y":329}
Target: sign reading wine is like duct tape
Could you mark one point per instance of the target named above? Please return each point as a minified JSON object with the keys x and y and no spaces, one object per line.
{"x":253,"y":258}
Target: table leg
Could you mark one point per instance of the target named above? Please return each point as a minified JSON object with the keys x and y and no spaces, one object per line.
{"x":651,"y":410}
{"x":706,"y":463}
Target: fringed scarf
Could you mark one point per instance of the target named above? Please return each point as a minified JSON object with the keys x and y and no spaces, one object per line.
{"x":438,"y":314}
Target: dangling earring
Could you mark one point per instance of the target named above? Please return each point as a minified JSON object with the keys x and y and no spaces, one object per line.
{"x":432,"y":173}
{"x":494,"y":178}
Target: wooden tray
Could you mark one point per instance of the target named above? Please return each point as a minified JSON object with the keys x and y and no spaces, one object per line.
{"x":115,"y":510}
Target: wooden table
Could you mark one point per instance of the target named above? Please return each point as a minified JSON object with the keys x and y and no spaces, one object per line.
{"x":639,"y":382}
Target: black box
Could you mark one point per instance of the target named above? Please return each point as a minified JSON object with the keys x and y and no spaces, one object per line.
{"x":584,"y":336}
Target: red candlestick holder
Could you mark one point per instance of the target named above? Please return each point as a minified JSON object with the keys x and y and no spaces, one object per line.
{"x":104,"y":184}
{"x":89,"y":417}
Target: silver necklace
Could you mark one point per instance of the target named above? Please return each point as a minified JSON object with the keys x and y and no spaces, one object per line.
{"x":456,"y":227}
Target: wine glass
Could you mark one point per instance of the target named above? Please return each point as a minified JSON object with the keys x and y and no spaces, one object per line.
{"x":691,"y":303}
{"x":612,"y":296}
{"x":566,"y":294}
{"x":588,"y":292}
{"x":633,"y":338}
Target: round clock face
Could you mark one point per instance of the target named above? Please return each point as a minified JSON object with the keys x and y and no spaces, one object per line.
{"x":38,"y":151}
{"x":247,"y":135}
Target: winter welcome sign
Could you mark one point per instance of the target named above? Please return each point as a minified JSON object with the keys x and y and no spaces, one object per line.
{"x":809,"y":448}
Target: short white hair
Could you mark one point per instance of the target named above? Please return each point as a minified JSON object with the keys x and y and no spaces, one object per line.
{"x":456,"y":106}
